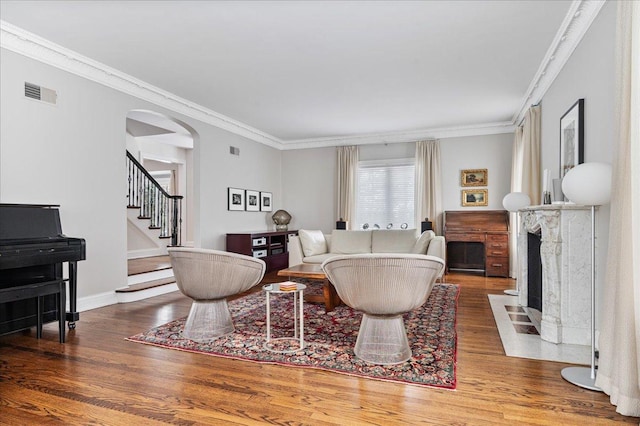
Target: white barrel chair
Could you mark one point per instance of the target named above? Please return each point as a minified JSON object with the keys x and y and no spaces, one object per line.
{"x":209,"y":277}
{"x":384,"y":287}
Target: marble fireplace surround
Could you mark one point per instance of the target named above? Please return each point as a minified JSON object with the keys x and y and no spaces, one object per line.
{"x":565,"y":252}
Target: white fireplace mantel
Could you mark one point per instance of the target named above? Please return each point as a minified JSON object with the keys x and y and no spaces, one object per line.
{"x":566,"y":269}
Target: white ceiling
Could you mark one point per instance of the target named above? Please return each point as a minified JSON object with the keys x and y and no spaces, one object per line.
{"x":313,"y":70}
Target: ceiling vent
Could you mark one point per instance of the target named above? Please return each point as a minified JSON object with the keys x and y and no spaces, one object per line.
{"x":33,"y":91}
{"x":234,"y":150}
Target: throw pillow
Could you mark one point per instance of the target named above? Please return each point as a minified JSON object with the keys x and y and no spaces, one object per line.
{"x":313,"y":242}
{"x":420,"y":247}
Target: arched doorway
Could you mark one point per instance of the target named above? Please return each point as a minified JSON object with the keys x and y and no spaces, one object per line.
{"x":163,"y":145}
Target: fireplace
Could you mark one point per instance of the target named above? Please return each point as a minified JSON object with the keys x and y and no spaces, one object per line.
{"x":534,"y":271}
{"x":563,"y":256}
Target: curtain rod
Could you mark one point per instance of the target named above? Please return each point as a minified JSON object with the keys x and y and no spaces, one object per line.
{"x":522,"y":121}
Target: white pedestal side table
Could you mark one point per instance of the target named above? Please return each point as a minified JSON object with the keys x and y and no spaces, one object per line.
{"x":297,"y":290}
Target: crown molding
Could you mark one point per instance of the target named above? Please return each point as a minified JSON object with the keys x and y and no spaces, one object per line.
{"x":407,"y":136}
{"x":30,"y":45}
{"x":576,"y":22}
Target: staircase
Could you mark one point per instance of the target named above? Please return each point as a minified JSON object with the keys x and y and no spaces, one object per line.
{"x":148,"y":277}
{"x":144,"y":193}
{"x":154,"y":222}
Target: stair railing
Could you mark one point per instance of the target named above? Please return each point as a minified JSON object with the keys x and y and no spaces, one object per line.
{"x":164,"y":210}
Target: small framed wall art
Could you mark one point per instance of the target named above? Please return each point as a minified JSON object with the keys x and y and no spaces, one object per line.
{"x":474,"y":177}
{"x":235,"y":199}
{"x":252,"y":201}
{"x":266,"y":204}
{"x":572,"y":138}
{"x":475,"y":197}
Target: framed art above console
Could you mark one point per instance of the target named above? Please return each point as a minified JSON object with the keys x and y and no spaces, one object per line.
{"x":235,"y":199}
{"x":249,"y":200}
{"x":252,"y":200}
{"x":474,"y":177}
{"x":266,"y":204}
{"x":475,"y":197}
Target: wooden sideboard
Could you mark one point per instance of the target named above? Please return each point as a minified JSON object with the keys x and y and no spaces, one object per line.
{"x":270,"y":246}
{"x":478,"y":241}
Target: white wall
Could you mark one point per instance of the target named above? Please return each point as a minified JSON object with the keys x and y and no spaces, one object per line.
{"x":491,"y":152}
{"x":309,"y":183}
{"x":309,"y":188}
{"x":308,"y":176}
{"x":257,"y":168}
{"x":387,"y":151}
{"x":73,"y":154}
{"x":589,"y":74}
{"x":70,"y":154}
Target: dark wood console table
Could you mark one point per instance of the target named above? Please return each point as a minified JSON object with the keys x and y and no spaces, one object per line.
{"x":270,"y":246}
{"x":478,"y":241}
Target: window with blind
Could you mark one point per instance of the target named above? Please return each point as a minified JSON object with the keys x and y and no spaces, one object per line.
{"x":385,"y":194}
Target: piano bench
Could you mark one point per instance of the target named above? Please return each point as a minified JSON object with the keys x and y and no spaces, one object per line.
{"x":38,"y":291}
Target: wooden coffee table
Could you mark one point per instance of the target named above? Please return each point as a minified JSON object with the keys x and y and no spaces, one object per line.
{"x":314,"y":272}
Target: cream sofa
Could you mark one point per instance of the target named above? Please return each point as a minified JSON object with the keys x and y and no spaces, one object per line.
{"x":315,"y":247}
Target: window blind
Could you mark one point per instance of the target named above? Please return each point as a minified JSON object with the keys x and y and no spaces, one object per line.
{"x":385,"y":194}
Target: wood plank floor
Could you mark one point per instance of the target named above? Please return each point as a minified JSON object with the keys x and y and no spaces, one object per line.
{"x":99,"y":378}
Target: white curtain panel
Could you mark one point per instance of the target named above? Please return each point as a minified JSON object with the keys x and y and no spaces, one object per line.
{"x":517,"y":162}
{"x":525,"y":173}
{"x":347,"y":172}
{"x":619,"y":344}
{"x":530,"y":172}
{"x":428,"y":187}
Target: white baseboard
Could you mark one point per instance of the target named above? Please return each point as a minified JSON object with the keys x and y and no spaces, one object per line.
{"x":97,"y":301}
{"x":111,"y":298}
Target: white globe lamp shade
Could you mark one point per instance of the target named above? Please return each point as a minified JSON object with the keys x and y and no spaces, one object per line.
{"x":588,"y":184}
{"x":514,"y":201}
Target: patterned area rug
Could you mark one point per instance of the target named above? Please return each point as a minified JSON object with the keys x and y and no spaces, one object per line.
{"x":330,"y":338}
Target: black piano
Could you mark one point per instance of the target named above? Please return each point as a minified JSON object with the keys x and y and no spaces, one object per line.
{"x":32,"y":250}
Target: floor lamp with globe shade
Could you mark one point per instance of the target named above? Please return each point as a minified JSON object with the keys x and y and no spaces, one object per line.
{"x":513,"y":202}
{"x":588,"y":184}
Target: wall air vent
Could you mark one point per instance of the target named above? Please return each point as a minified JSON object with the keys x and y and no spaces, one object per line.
{"x":33,"y":91}
{"x":234,"y":150}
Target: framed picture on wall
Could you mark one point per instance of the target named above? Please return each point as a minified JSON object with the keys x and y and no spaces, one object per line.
{"x":235,"y":199}
{"x":266,"y":204}
{"x":475,"y":197}
{"x":572,"y":137}
{"x":252,"y":201}
{"x":474,"y":177}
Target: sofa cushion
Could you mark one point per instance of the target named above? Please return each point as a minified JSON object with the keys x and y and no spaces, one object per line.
{"x":318,"y":259}
{"x":313,"y":242}
{"x":393,"y":240}
{"x":421,"y":245}
{"x":350,"y":242}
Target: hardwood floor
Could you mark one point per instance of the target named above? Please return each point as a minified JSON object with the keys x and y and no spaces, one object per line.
{"x":99,"y":378}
